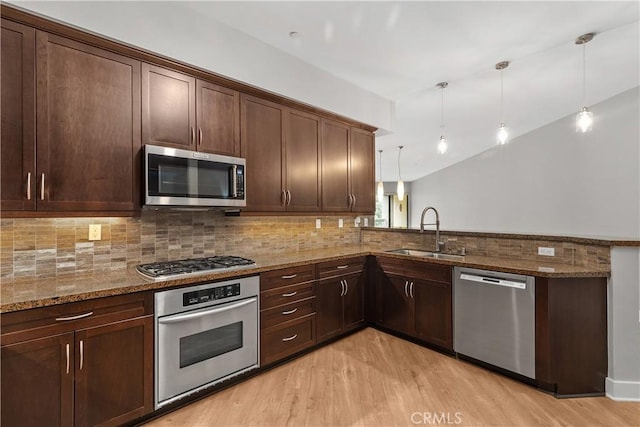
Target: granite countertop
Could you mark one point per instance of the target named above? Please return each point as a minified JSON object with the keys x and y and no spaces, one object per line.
{"x":32,"y":292}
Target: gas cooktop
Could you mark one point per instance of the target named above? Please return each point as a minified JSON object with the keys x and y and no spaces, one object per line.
{"x":192,"y":267}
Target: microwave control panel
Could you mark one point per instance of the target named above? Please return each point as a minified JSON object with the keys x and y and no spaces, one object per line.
{"x":240,"y":182}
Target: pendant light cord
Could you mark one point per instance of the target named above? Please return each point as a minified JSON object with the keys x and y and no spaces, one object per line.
{"x":380,"y":171}
{"x":442,"y":109}
{"x":584,"y":74}
{"x":399,"y":174}
{"x":501,"y":97}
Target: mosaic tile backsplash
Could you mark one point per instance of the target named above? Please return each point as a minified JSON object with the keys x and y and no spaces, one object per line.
{"x":48,"y":247}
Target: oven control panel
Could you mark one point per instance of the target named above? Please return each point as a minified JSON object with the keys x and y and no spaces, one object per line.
{"x":210,"y":294}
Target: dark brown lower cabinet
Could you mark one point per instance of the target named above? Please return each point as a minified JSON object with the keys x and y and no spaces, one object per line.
{"x":415,"y":299}
{"x":85,"y":372}
{"x":571,"y":335}
{"x":339,"y":305}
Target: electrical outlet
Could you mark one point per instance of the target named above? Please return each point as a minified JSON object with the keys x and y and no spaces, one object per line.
{"x":340,"y":223}
{"x":546,"y":251}
{"x":356,"y":222}
{"x":318,"y":223}
{"x":95,"y":232}
{"x":366,"y":221}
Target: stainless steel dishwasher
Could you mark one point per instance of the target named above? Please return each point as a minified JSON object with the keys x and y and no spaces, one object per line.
{"x":494,"y":319}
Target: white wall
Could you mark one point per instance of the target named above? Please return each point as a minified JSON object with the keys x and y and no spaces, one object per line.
{"x":174,"y":30}
{"x":551,"y":180}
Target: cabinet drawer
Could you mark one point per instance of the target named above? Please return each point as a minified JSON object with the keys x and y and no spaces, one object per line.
{"x":287,"y":276}
{"x":340,"y":267}
{"x":284,"y":313}
{"x":417,"y":269}
{"x":286,"y":295}
{"x":287,"y":338}
{"x":45,"y":321}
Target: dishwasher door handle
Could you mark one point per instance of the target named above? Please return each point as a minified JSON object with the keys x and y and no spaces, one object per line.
{"x":494,"y":281}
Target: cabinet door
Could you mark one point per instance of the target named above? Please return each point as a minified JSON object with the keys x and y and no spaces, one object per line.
{"x":114,"y":372}
{"x":261,"y":146}
{"x":168,"y":108}
{"x":353,"y":300}
{"x":88,"y":125}
{"x":37,"y":382}
{"x":362,"y":173}
{"x":329,"y":311}
{"x":432,"y":312}
{"x":218,"y":110}
{"x":395,"y":304}
{"x":335,"y":167}
{"x":17,"y":144}
{"x":302,"y":155}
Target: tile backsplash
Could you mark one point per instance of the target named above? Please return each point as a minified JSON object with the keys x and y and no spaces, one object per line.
{"x":48,"y":247}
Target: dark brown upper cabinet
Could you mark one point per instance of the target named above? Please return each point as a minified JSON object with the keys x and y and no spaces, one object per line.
{"x":347,"y":168}
{"x":17,"y":85}
{"x":88,"y":127}
{"x":281,"y":146}
{"x":180,"y":111}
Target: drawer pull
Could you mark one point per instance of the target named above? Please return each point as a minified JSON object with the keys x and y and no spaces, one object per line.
{"x":290,"y":294}
{"x":79,"y":316}
{"x":81,"y":354}
{"x":292,"y":337}
{"x":29,"y":186}
{"x":290,"y":311}
{"x":342,"y":267}
{"x":291,"y":276}
{"x":67,"y":358}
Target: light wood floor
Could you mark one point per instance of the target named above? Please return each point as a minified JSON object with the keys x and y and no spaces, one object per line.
{"x":374,"y":379}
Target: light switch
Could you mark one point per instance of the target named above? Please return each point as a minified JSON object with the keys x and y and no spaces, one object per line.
{"x":95,"y":232}
{"x":340,"y":223}
{"x":366,"y":221}
{"x":318,"y":223}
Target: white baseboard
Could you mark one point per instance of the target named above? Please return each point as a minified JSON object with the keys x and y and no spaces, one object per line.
{"x":623,"y":391}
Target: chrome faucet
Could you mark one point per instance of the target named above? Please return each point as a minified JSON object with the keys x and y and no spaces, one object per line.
{"x":439,"y":244}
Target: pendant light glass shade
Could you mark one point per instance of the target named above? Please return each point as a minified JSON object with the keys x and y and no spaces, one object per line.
{"x":400,"y":186}
{"x":584,"y":119}
{"x":442,"y":144}
{"x":503,"y":132}
{"x":380,"y":188}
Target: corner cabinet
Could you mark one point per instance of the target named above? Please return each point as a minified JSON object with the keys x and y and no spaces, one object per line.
{"x":281,"y":146}
{"x":85,"y":364}
{"x":347,"y":168}
{"x":415,"y":299}
{"x":340,"y":297}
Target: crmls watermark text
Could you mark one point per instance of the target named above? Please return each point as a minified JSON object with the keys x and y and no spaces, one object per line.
{"x":436,"y":418}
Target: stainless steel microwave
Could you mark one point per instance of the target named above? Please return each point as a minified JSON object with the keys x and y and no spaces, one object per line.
{"x":183,"y":178}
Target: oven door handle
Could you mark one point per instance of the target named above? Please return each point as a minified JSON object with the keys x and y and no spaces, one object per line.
{"x":182,"y":317}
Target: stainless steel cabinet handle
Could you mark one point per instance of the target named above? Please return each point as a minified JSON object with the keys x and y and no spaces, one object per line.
{"x":79,"y":316}
{"x":341,"y":288}
{"x":291,"y":276}
{"x":354,"y":200}
{"x":29,"y":186}
{"x":288,"y":197}
{"x":350,"y":203}
{"x":289,"y":311}
{"x":200,"y":136}
{"x":193,"y":135}
{"x":346,"y":287}
{"x":406,"y":283}
{"x":411,"y":289}
{"x":283,"y":198}
{"x":67,"y":358}
{"x":81,"y":354}
{"x":342,"y":267}
{"x":182,"y":317}
{"x":290,"y":294}
{"x":42,"y":188}
{"x":293,"y":337}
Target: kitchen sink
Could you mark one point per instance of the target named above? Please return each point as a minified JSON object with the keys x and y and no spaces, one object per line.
{"x":425,"y":254}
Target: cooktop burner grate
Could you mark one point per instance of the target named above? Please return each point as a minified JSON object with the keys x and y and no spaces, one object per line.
{"x":192,"y":266}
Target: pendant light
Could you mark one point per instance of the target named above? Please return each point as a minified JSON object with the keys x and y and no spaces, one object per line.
{"x":380,"y":192}
{"x":503,"y":132}
{"x":442,"y":145}
{"x":584,"y":119}
{"x":400,"y":188}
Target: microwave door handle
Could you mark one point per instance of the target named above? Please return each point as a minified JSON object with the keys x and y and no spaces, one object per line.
{"x":234,"y":182}
{"x":182,"y":317}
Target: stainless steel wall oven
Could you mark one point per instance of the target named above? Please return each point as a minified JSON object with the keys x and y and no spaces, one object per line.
{"x":204,"y":334}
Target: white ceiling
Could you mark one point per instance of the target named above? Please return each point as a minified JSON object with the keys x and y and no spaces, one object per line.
{"x":401,"y":50}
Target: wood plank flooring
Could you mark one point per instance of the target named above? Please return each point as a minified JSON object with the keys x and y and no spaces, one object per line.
{"x":375,"y":379}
